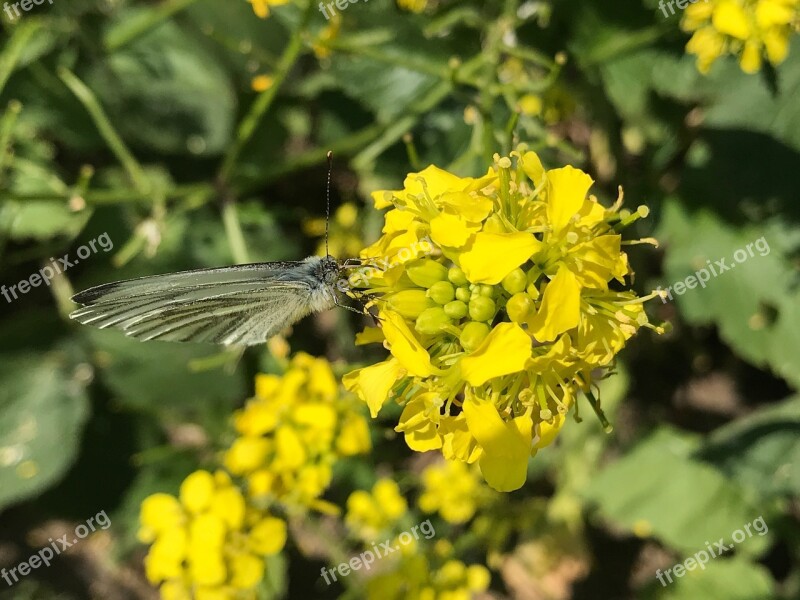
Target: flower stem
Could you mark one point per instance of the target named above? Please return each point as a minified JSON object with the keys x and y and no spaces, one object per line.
{"x":595,"y":404}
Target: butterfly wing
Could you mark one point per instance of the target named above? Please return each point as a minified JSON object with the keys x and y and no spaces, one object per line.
{"x":241,"y":305}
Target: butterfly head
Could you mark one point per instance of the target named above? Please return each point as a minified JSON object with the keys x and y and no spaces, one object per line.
{"x":328,"y":270}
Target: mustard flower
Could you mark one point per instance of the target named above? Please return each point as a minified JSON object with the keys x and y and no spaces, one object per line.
{"x":293,"y":431}
{"x":750,"y":29}
{"x":453,"y":489}
{"x":413,"y":578}
{"x":493,"y":333}
{"x":370,"y":514}
{"x":207,"y":543}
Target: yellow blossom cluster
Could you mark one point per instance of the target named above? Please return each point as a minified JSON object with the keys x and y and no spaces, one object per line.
{"x":751,"y":29}
{"x":453,"y":489}
{"x":207,"y":544}
{"x":293,"y":431}
{"x":416,"y":579}
{"x":370,"y":514}
{"x":493,"y":334}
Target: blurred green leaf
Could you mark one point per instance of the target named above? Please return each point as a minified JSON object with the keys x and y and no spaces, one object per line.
{"x":730,"y":578}
{"x":686,"y":503}
{"x":761,"y":451}
{"x":42,"y":413}
{"x":167,"y":93}
{"x":756,"y":303}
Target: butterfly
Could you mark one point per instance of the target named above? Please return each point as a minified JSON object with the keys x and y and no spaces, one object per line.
{"x":240,"y":305}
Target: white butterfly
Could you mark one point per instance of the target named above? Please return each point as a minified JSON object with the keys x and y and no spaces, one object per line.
{"x":240,"y":305}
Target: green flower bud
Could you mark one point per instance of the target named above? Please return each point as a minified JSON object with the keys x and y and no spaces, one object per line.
{"x":442,"y":292}
{"x":463,"y":294}
{"x":431,"y":320}
{"x":426,"y":272}
{"x":457,"y":276}
{"x":518,"y":307}
{"x":481,"y":308}
{"x":455,"y":309}
{"x":410,"y":303}
{"x":515,"y":282}
{"x":487,"y":290}
{"x":532,"y":277}
{"x":473,"y":334}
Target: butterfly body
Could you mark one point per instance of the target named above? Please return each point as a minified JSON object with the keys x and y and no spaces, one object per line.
{"x":239,"y":305}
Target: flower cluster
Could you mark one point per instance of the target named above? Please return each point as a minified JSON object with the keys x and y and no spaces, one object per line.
{"x":208,"y":544}
{"x":493,"y":334}
{"x":415,"y":578}
{"x":751,"y":29}
{"x":293,"y":431}
{"x":453,"y":489}
{"x":371,"y":513}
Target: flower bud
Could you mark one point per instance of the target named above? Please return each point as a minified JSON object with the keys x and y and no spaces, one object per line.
{"x":515,"y":282}
{"x":531,"y":288}
{"x":455,"y":309}
{"x":473,"y":334}
{"x":457,"y":276}
{"x":426,"y":272}
{"x":481,"y":308}
{"x":431,"y":320}
{"x":409,"y":303}
{"x":518,"y":307}
{"x":463,"y":294}
{"x":442,"y":292}
{"x":487,"y":290}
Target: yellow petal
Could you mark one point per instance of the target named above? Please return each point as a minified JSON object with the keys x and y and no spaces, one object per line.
{"x":404,"y":345}
{"x":372,"y":384}
{"x":560,"y":308}
{"x":506,"y":445}
{"x":532,"y":165}
{"x":492,"y":256}
{"x":505,"y":350}
{"x":458,"y":442}
{"x":473,"y":208}
{"x":730,"y":18}
{"x":566,"y":190}
{"x":420,"y":431}
{"x":451,"y":230}
{"x":771,"y":12}
{"x":547,"y":431}
{"x":438,"y":182}
{"x":750,"y":61}
{"x":776,"y":43}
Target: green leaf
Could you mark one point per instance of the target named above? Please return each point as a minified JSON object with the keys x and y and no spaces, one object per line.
{"x":755,"y":304}
{"x":42,"y":413}
{"x":761,"y":451}
{"x":657,"y":486}
{"x":730,"y":578}
{"x":166,"y":92}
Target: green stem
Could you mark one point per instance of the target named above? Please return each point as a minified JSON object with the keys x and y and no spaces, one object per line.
{"x":7,"y":123}
{"x":595,"y":404}
{"x":128,"y":31}
{"x":106,"y":129}
{"x":13,"y":50}
{"x":233,"y":229}
{"x":264,"y":100}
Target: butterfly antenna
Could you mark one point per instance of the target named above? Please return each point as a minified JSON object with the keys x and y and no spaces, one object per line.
{"x":328,"y":201}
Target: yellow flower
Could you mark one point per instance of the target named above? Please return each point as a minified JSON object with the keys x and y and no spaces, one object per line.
{"x":749,"y":29}
{"x":208,"y":543}
{"x":452,"y":489}
{"x":261,"y":7}
{"x":262,"y":83}
{"x":416,"y":6}
{"x":506,"y":318}
{"x":293,"y":431}
{"x":414,"y":578}
{"x":369,"y":514}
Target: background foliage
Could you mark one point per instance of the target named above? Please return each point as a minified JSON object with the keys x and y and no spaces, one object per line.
{"x":140,"y":120}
